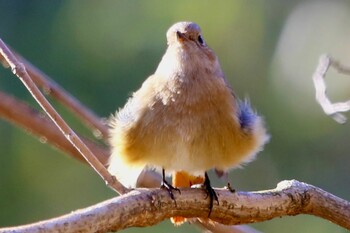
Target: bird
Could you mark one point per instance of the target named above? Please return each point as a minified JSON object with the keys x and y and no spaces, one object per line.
{"x":184,"y":120}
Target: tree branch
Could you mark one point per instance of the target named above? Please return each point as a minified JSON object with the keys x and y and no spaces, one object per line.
{"x":146,"y":207}
{"x":19,"y":70}
{"x":50,"y":87}
{"x":332,"y":109}
{"x":40,"y":125}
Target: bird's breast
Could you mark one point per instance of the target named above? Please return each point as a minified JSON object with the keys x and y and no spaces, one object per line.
{"x":190,"y":125}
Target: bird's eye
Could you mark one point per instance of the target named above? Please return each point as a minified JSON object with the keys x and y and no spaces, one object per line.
{"x":200,"y":40}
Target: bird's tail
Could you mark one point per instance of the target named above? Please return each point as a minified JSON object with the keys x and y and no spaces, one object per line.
{"x":126,"y":173}
{"x":183,"y":179}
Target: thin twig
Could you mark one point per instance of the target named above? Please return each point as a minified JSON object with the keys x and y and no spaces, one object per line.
{"x":332,"y":109}
{"x":19,"y":70}
{"x":50,"y":87}
{"x":40,"y":125}
{"x":143,"y":207}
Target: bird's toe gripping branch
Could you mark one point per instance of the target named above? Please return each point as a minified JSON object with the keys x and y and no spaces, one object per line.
{"x":168,"y":187}
{"x":210,"y":193}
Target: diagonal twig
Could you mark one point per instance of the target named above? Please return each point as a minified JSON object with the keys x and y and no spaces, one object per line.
{"x":19,"y":70}
{"x":40,"y":125}
{"x":50,"y":87}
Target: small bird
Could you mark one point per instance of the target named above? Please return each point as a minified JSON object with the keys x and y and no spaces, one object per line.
{"x":185,"y":119}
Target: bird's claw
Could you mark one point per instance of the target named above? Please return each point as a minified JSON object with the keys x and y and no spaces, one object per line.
{"x":210,"y":193}
{"x":169,"y":188}
{"x":230,"y":188}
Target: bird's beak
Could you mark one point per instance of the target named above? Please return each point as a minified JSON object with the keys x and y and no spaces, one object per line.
{"x":180,"y":36}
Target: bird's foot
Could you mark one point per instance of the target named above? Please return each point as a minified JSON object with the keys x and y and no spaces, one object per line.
{"x":230,"y":188}
{"x":169,"y":188}
{"x":210,"y":193}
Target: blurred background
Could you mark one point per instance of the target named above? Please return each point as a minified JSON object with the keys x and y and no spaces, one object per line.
{"x":101,"y":51}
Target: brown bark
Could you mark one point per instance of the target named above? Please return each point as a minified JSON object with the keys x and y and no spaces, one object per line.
{"x":147,"y":207}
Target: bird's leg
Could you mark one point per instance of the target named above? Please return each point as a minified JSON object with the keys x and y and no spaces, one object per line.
{"x":210,"y":193}
{"x":167,"y":186}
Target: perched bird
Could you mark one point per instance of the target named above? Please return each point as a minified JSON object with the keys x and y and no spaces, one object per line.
{"x":185,"y":119}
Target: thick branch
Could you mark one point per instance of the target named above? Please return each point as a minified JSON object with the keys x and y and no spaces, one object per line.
{"x":143,"y":207}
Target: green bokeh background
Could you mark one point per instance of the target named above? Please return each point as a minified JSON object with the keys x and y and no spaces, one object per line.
{"x":100,"y":51}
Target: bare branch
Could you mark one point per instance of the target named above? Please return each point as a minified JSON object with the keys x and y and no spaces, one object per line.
{"x":143,"y":207}
{"x":41,"y":126}
{"x":332,"y":109}
{"x":19,"y":70}
{"x":50,"y":87}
